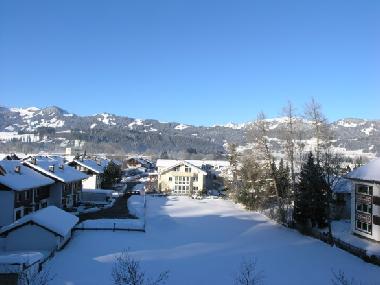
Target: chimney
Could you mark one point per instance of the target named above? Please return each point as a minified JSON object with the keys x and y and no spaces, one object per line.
{"x":51,"y":168}
{"x":61,"y":166}
{"x":18,"y":169}
{"x":34,"y":161}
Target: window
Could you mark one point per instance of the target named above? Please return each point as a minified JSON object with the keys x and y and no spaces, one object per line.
{"x":195,"y":178}
{"x":364,"y":189}
{"x":187,"y":168}
{"x":18,"y":197}
{"x":361,"y":226}
{"x":170,"y":178}
{"x":364,"y":208}
{"x":195,"y":188}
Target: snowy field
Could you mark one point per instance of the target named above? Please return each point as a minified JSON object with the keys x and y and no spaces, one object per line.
{"x":203,"y":242}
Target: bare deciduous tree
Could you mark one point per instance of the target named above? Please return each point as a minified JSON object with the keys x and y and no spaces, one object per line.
{"x":127,"y":271}
{"x":249,"y":274}
{"x":289,"y":112}
{"x":331,"y":165}
{"x":260,"y":137}
{"x":339,"y":278}
{"x":31,"y":277}
{"x":313,"y":112}
{"x":233,"y":159}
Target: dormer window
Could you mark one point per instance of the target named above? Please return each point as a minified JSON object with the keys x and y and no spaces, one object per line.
{"x":187,"y":169}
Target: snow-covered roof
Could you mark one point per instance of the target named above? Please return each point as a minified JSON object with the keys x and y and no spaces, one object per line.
{"x":61,"y":172}
{"x":23,"y":179}
{"x":26,"y":258}
{"x":51,"y":218}
{"x":96,"y":166}
{"x":343,"y":185}
{"x":369,"y":172}
{"x":140,"y":160}
{"x":163,"y":163}
{"x":183,"y":162}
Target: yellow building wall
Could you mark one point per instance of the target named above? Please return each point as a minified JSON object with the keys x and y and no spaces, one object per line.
{"x":165,"y":185}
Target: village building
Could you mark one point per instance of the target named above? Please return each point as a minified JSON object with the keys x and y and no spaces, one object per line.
{"x":365,"y":200}
{"x":22,"y":191}
{"x":93,"y":168}
{"x":341,"y":200}
{"x":47,"y":230}
{"x":217,"y":171}
{"x":68,"y":181}
{"x":138,"y":162}
{"x":182,"y":178}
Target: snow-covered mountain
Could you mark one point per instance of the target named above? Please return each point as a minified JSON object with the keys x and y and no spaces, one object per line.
{"x":53,"y":125}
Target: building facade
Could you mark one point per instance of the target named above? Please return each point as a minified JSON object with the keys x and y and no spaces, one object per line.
{"x":182,"y":178}
{"x":93,"y":168}
{"x":66,"y":191}
{"x":22,"y":191}
{"x":365,"y":200}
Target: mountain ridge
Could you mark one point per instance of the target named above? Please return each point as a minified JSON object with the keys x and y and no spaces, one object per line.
{"x":54,"y":125}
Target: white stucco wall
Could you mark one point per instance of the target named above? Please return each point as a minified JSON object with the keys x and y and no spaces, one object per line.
{"x":90,"y":183}
{"x":166,"y":185}
{"x":31,"y":237}
{"x":375,"y":211}
{"x":6,"y":207}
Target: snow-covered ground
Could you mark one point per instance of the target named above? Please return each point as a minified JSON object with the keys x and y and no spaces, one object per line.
{"x":203,"y":242}
{"x":342,"y":230}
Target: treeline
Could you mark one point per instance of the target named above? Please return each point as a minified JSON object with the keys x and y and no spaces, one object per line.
{"x":295,"y":185}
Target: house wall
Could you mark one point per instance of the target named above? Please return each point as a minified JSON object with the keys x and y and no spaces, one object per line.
{"x":90,"y":182}
{"x":166,"y":185}
{"x":31,"y":237}
{"x":55,"y":196}
{"x":6,"y":207}
{"x":375,"y":212}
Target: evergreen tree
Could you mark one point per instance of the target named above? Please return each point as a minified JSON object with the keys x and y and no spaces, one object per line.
{"x":111,"y":174}
{"x":282,"y":180}
{"x":311,"y":195}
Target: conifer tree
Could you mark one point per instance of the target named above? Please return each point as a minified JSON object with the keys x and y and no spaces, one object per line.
{"x":311,"y":195}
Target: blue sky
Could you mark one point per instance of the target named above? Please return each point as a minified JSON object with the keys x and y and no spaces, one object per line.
{"x":199,"y":62}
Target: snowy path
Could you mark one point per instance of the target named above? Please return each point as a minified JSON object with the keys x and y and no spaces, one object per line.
{"x":203,"y":242}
